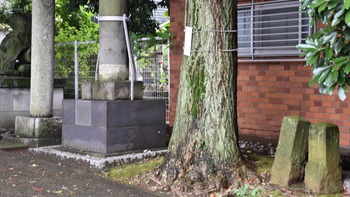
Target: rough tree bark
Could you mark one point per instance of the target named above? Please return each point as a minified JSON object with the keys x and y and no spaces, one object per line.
{"x":203,"y":151}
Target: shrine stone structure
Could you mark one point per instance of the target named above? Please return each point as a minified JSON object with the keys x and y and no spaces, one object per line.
{"x":106,"y":120}
{"x":291,"y":154}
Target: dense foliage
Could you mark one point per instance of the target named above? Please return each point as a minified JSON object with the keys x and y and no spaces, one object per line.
{"x":73,"y":22}
{"x":140,"y":12}
{"x":14,"y":7}
{"x":328,"y":50}
{"x":66,"y":33}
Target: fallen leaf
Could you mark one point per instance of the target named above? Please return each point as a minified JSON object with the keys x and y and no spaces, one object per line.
{"x":38,"y":189}
{"x":57,"y":192}
{"x":32,"y":181}
{"x":10,"y":169}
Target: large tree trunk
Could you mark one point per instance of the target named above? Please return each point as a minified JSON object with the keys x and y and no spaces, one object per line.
{"x":203,"y":151}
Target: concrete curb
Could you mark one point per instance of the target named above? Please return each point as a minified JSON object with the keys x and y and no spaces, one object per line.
{"x":95,"y":162}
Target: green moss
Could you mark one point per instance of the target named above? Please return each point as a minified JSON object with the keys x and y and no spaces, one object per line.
{"x":263,"y":163}
{"x":24,"y":83}
{"x":10,"y":145}
{"x":196,"y":82}
{"x":125,"y":172}
{"x":275,"y":193}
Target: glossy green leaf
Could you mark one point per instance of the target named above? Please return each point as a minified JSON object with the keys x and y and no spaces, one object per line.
{"x":336,"y":67}
{"x":328,"y":89}
{"x":323,"y":76}
{"x":346,"y":4}
{"x":333,"y":3}
{"x":341,"y":79}
{"x":341,"y":93}
{"x":316,"y":3}
{"x":329,"y":37}
{"x":329,"y":53}
{"x":328,"y":81}
{"x":337,"y":17}
{"x":347,"y":18}
{"x":338,"y":46}
{"x":320,"y":70}
{"x":306,"y":46}
{"x":334,"y":75}
{"x":304,"y":4}
{"x":322,"y":6}
{"x":314,"y":80}
{"x":347,"y":68}
{"x":341,"y":60}
{"x":312,"y":59}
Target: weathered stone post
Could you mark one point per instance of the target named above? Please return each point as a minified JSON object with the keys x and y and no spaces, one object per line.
{"x":113,"y":64}
{"x":42,"y":63}
{"x":41,"y":128}
{"x":290,"y":159}
{"x":323,"y":173}
{"x":113,"y":69}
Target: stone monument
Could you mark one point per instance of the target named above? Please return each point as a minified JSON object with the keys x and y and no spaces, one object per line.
{"x":105,"y":120}
{"x":289,"y":164}
{"x":15,"y":48}
{"x":323,"y":174}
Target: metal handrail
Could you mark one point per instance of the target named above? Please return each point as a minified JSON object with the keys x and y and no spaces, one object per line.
{"x":131,"y":58}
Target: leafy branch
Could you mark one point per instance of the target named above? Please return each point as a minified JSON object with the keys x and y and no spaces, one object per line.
{"x":328,"y":50}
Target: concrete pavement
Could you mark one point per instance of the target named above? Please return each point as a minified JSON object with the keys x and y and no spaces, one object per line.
{"x":24,"y":174}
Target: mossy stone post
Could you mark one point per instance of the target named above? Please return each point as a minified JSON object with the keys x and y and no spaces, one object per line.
{"x":290,"y":158}
{"x":323,"y":173}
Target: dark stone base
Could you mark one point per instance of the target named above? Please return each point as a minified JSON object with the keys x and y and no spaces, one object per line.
{"x":33,"y":142}
{"x":113,"y":126}
{"x":111,"y":90}
{"x":37,"y":131}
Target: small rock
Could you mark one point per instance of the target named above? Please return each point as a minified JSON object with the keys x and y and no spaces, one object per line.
{"x":346,"y":184}
{"x":243,"y":146}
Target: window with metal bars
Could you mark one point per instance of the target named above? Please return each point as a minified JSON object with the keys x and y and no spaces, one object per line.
{"x":271,"y":29}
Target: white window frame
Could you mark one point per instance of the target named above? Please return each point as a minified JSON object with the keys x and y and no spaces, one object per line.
{"x":273,"y":45}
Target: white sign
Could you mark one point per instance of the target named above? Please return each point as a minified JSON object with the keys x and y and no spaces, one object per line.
{"x":188,"y":41}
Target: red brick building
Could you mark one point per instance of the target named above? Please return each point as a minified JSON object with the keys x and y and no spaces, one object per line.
{"x":272,"y":79}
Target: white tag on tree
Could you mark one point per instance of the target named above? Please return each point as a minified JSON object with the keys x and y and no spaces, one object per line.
{"x":188,"y":41}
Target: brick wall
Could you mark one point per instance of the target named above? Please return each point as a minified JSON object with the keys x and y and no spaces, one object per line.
{"x":177,"y":36}
{"x":267,"y":91}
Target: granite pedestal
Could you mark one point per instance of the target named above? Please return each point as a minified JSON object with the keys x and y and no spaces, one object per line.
{"x":113,"y":126}
{"x":38,"y":131}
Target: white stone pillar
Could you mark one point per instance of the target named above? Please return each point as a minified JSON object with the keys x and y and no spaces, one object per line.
{"x":113,"y":63}
{"x":42,"y":61}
